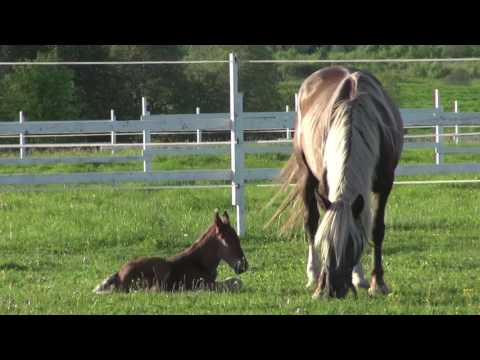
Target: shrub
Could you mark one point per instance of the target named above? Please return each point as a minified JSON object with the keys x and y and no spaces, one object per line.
{"x":458,"y":76}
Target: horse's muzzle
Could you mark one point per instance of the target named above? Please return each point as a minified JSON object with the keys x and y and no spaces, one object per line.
{"x":241,"y":266}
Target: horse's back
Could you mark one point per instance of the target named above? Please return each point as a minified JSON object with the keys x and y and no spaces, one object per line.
{"x":321,"y":92}
{"x":320,"y":87}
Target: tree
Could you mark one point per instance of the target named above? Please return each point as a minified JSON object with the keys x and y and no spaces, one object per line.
{"x":97,"y":86}
{"x":17,"y":53}
{"x":164,"y":85}
{"x":20,"y":52}
{"x":210,"y":83}
{"x":42,"y":92}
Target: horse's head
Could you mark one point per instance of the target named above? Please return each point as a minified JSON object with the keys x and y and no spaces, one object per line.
{"x":341,"y":238}
{"x":230,"y":249}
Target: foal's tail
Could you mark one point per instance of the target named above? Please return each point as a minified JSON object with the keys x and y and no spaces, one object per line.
{"x":108,"y":285}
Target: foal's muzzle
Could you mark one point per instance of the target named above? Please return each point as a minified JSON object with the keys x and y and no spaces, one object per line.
{"x":241,"y":266}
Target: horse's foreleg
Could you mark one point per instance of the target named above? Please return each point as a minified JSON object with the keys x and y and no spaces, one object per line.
{"x":358,"y":277}
{"x":228,"y":285}
{"x":377,"y":284}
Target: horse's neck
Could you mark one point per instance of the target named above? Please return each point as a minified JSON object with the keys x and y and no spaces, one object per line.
{"x":204,"y":252}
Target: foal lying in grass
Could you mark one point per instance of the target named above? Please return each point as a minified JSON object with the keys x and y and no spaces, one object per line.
{"x":195,"y":268}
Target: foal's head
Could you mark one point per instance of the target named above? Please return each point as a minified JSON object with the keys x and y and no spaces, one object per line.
{"x":230,"y":249}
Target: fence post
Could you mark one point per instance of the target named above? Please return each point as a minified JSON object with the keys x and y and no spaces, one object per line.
{"x":113,"y":118}
{"x":289,"y":131}
{"x":237,"y":155}
{"x":439,"y":157}
{"x":23,"y":151}
{"x":457,"y":132}
{"x":147,"y":139}
{"x":199,"y":132}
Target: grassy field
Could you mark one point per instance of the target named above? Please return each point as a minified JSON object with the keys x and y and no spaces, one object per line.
{"x":418,"y":93}
{"x":55,"y":247}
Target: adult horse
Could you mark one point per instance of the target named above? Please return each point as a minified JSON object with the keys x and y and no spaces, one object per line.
{"x":348,"y":142}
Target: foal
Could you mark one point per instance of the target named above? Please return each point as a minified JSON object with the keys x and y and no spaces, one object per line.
{"x":194,"y":268}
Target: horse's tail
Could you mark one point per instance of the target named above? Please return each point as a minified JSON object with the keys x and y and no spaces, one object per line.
{"x":289,"y":180}
{"x":333,"y":233}
{"x":109,"y":285}
{"x":290,"y":175}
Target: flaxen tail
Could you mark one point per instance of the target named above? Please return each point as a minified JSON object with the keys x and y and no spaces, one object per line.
{"x":291,"y":193}
{"x":109,"y":285}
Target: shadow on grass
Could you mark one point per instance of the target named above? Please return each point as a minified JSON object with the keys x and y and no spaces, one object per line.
{"x":406,"y":248}
{"x":13,"y":267}
{"x":424,"y":226}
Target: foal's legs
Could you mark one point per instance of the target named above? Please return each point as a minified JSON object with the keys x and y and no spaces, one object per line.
{"x":377,"y":284}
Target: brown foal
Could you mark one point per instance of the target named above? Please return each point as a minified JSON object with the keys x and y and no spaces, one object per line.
{"x":194,"y":268}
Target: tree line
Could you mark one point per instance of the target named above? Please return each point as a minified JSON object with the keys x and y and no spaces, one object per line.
{"x":89,"y":92}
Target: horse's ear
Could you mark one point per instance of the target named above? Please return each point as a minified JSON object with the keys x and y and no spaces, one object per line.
{"x":217,"y":220}
{"x":226,"y":218}
{"x":324,"y":202}
{"x":357,"y":206}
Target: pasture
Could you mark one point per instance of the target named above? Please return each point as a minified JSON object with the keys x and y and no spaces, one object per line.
{"x":56,"y":246}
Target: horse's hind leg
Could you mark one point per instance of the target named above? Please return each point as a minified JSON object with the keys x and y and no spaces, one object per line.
{"x":377,"y":284}
{"x":311,"y":217}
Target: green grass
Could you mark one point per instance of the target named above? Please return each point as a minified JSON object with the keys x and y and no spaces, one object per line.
{"x":214,"y":162}
{"x":418,"y":93}
{"x":56,"y":247}
{"x":159,"y":163}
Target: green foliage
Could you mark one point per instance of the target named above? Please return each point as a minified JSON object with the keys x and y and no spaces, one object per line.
{"x":181,"y":88}
{"x":42,"y":92}
{"x":391,"y":83}
{"x":97,"y":86}
{"x":211,"y":82}
{"x":164,"y":85}
{"x":458,"y":76}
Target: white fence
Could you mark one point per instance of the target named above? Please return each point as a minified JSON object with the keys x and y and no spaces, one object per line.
{"x":236,"y":122}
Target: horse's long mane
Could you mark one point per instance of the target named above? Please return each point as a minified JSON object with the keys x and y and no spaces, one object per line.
{"x":348,"y":128}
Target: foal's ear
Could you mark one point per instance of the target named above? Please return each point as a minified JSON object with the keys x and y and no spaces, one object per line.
{"x":324,"y":202}
{"x":357,"y":206}
{"x":217,"y":220}
{"x":226,"y":218}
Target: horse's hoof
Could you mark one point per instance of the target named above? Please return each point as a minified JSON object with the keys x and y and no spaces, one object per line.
{"x":378,"y":290}
{"x":361,"y":285}
{"x":318,"y":294}
{"x":311,"y":284}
